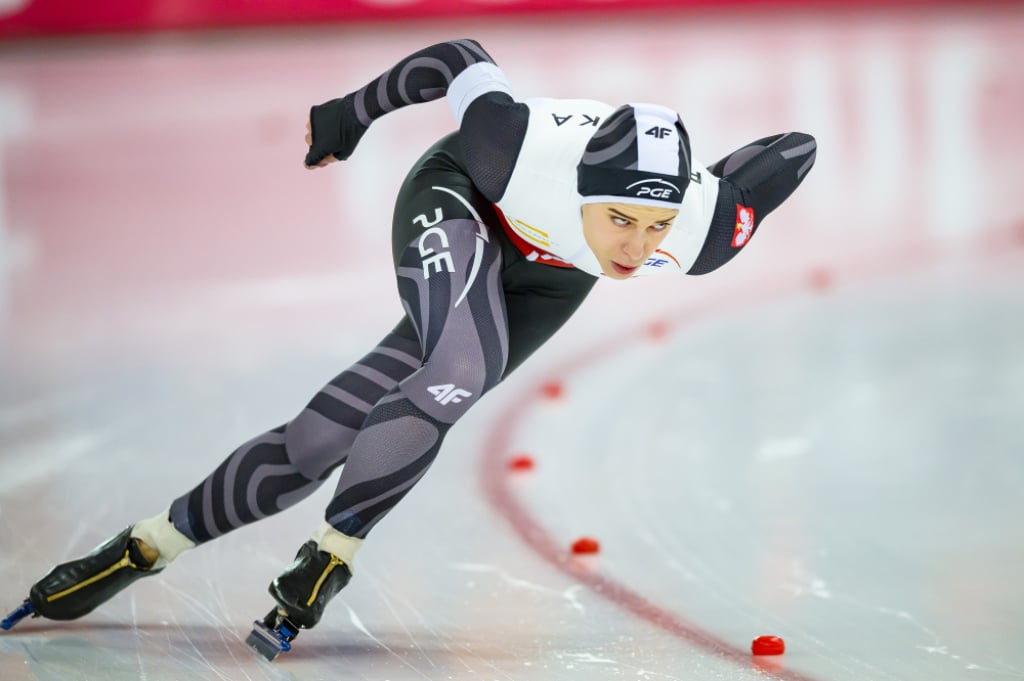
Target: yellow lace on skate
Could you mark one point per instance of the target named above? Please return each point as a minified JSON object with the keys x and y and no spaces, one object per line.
{"x":123,"y":563}
{"x":335,"y":562}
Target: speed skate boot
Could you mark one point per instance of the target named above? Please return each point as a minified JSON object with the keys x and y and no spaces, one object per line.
{"x":76,"y":588}
{"x":302,"y":592}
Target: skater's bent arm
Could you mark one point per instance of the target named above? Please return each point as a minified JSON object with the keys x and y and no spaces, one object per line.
{"x":426,"y":75}
{"x":754,"y":181}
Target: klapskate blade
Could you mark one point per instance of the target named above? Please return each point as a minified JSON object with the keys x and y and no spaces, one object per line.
{"x":20,"y":613}
{"x":266,"y":642}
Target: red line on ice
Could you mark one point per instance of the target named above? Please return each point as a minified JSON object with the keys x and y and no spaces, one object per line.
{"x":500,"y":441}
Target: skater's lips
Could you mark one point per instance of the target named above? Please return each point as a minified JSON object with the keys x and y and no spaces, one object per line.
{"x":622,"y":269}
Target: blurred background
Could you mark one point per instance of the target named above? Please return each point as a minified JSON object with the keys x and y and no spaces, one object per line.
{"x":819,"y":441}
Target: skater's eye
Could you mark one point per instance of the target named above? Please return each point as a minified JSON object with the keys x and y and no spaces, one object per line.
{"x":661,"y":226}
{"x":619,"y":218}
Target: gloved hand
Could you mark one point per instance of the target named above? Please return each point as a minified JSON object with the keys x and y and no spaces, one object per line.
{"x":332,"y":132}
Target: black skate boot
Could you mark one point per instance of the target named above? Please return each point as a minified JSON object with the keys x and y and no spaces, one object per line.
{"x":302,"y":592}
{"x":76,"y":588}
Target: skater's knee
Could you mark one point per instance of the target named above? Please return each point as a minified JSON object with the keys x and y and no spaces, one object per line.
{"x":468,"y":356}
{"x":446,"y":387}
{"x":316,"y":445}
{"x":474,"y":374}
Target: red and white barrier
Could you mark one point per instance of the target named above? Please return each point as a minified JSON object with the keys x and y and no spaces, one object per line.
{"x":28,"y":18}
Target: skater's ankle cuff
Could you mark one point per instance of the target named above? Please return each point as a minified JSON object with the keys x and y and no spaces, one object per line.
{"x":341,"y":545}
{"x":159,"y":533}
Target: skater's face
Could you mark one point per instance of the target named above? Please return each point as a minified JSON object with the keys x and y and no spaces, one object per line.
{"x":623,"y":236}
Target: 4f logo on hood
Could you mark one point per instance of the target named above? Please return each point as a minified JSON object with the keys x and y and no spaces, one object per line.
{"x":660,"y":133}
{"x":654,"y":189}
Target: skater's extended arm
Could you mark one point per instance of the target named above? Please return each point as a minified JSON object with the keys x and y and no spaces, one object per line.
{"x":426,"y":75}
{"x":755,"y":180}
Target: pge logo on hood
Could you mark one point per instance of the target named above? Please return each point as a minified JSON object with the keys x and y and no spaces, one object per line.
{"x":654,"y":188}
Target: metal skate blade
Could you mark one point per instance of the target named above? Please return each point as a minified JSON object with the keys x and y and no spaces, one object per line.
{"x":20,"y":613}
{"x":266,"y":642}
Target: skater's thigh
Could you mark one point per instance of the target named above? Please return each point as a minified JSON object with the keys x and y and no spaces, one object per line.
{"x":449,"y":281}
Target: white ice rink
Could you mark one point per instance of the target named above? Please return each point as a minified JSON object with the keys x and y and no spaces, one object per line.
{"x":821,"y":441}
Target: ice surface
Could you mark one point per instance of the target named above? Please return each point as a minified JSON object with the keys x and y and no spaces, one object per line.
{"x":840,"y":465}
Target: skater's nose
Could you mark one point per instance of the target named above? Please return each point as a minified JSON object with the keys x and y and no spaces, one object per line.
{"x":634,"y":246}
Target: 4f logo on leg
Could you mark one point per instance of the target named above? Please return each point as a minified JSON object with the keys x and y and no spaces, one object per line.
{"x":448,"y":393}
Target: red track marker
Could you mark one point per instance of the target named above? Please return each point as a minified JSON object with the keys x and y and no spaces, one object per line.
{"x":820,"y":279}
{"x":768,"y":645}
{"x":585,"y":545}
{"x":523,"y":462}
{"x":657,"y":330}
{"x":552,"y":389}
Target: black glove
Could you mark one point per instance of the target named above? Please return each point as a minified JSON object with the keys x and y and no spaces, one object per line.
{"x":335,"y":130}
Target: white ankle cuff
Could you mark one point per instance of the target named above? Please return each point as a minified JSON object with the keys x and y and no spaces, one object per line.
{"x":341,"y":545}
{"x":163,"y":536}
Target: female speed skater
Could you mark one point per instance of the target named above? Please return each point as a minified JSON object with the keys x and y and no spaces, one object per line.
{"x":500,"y":230}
